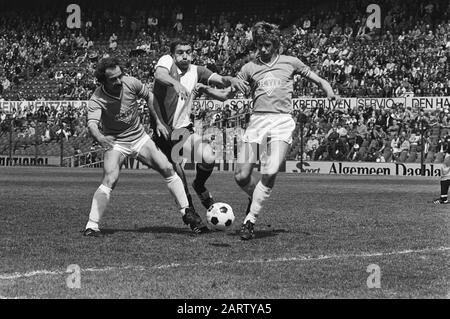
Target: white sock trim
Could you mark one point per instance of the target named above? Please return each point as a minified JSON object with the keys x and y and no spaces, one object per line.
{"x":263,"y":193}
{"x":265,"y":189}
{"x":92,"y":225}
{"x":105,"y":189}
{"x":251,"y":218}
{"x":176,"y":188}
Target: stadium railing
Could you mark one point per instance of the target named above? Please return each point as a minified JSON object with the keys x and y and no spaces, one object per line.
{"x":59,"y":150}
{"x":93,"y":158}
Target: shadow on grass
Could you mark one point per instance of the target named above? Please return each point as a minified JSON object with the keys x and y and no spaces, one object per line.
{"x":150,"y":229}
{"x":262,"y":233}
{"x":259,"y":233}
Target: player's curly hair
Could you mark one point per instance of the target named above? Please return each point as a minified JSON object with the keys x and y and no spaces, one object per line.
{"x":103,"y":64}
{"x":264,"y":31}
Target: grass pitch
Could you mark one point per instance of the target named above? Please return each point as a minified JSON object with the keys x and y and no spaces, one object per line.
{"x":315,"y":238}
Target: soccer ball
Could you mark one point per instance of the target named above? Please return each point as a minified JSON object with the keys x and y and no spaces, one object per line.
{"x":220,"y":216}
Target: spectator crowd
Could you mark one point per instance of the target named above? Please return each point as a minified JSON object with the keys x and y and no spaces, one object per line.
{"x":395,"y":134}
{"x":409,"y":54}
{"x":41,"y":58}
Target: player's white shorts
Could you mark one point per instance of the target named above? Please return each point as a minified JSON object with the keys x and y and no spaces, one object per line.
{"x":278,"y":127}
{"x":131,"y":148}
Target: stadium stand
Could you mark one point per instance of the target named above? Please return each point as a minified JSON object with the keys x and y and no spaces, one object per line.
{"x":43,"y":60}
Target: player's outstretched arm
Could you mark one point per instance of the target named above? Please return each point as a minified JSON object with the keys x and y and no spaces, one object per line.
{"x":162,"y":76}
{"x":323,"y":84}
{"x":218,"y":94}
{"x":229,"y":81}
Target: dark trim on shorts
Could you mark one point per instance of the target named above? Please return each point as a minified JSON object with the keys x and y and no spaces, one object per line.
{"x":166,"y":146}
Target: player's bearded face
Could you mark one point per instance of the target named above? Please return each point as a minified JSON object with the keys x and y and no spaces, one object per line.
{"x":183,"y":56}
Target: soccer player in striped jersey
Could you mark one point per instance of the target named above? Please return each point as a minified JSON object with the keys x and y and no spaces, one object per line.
{"x":175,"y":81}
{"x":271,"y":78}
{"x":114,"y":105}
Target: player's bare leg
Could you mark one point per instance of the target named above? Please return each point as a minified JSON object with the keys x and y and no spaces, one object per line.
{"x":244,"y":177}
{"x":246,"y":161}
{"x":276,"y":153}
{"x":153,"y":157}
{"x":205,"y":158}
{"x":111,"y":168}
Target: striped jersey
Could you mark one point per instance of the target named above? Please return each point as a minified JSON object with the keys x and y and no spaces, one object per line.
{"x":174,"y":111}
{"x":119,"y":115}
{"x":272,"y":84}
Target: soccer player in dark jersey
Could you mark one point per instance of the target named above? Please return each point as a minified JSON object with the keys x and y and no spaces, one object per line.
{"x":175,"y":80}
{"x":114,"y":105}
{"x":445,"y":177}
{"x":271,"y":78}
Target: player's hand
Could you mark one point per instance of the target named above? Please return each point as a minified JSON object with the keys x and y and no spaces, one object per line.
{"x":334,"y":97}
{"x":107,"y":142}
{"x":241,"y":85}
{"x":181,"y":91}
{"x":161,"y":130}
{"x":199,"y":89}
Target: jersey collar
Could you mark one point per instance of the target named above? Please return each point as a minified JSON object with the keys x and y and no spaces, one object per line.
{"x":271,"y":64}
{"x":181,"y":72}
{"x":112,"y":96}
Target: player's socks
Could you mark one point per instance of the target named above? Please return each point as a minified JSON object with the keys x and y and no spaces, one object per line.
{"x":204,"y":171}
{"x":176,"y":188}
{"x":250,"y":186}
{"x":92,"y":225}
{"x":99,"y":203}
{"x":247,"y":210}
{"x":444,"y":189}
{"x":260,"y":195}
{"x":189,"y":197}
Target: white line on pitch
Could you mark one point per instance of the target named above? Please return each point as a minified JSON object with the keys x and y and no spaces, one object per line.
{"x":20,"y":297}
{"x":200,"y":264}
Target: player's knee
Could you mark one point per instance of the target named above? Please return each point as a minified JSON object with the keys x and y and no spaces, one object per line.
{"x":270,"y":167}
{"x":204,"y":153}
{"x":208,"y":157}
{"x":269,"y":171}
{"x":241,"y":178}
{"x":167,"y":171}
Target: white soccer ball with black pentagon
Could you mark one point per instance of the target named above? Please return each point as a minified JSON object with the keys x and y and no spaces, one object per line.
{"x":220,"y":216}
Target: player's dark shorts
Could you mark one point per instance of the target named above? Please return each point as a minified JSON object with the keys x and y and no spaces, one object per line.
{"x":166,"y":146}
